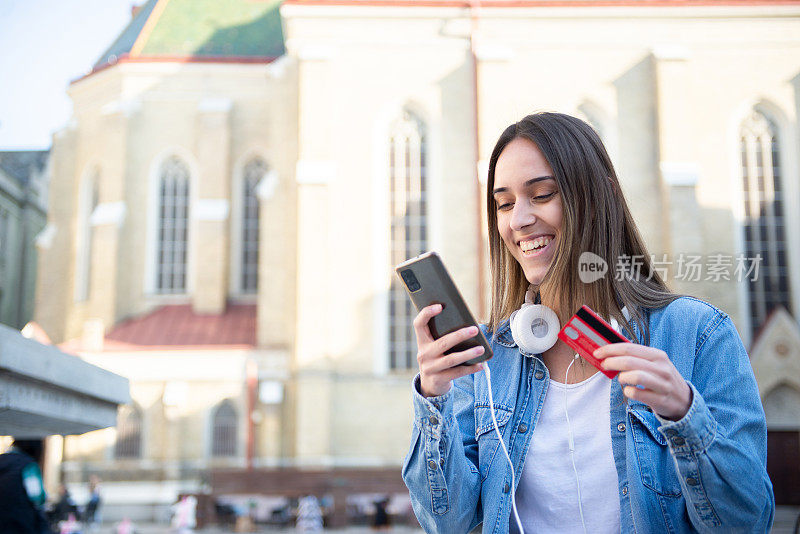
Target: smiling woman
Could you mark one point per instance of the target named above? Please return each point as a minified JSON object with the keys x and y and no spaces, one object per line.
{"x":680,"y":436}
{"x":554,"y":154}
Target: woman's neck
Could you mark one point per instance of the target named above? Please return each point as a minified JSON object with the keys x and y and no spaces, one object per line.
{"x":557,"y":359}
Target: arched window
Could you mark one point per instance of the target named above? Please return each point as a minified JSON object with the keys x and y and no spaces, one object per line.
{"x":223,"y":435}
{"x":89,"y":196}
{"x":764,"y":223}
{"x":129,"y":432}
{"x":173,"y":226}
{"x":408,"y":169}
{"x":254,"y":171}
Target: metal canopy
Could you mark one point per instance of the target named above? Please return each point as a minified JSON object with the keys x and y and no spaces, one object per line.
{"x":44,"y":391}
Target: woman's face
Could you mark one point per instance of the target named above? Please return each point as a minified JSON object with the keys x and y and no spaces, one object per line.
{"x":528,"y":207}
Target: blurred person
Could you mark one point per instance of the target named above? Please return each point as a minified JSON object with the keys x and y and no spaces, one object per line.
{"x":64,"y":506}
{"x":70,"y":525}
{"x":309,"y":515}
{"x":92,"y":511}
{"x":126,"y":526}
{"x":184,"y":514}
{"x":22,"y":494}
{"x":675,"y":442}
{"x":381,"y":519}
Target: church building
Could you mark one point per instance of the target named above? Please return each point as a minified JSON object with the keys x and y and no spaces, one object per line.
{"x":240,"y":177}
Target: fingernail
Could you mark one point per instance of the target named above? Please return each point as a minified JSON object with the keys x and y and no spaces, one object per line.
{"x":478,"y":350}
{"x":437,"y":307}
{"x":473,"y":330}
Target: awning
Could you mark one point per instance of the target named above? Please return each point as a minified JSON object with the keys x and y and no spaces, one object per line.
{"x":45,"y":391}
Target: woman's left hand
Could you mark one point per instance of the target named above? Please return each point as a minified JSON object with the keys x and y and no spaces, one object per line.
{"x":660,"y":385}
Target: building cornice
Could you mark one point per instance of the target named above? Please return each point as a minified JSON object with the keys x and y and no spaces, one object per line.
{"x":544,"y":9}
{"x":231,"y":60}
{"x":542,"y":3}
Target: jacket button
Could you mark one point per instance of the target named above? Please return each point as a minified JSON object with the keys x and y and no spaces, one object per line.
{"x":433,"y":420}
{"x":621,"y":427}
{"x":538,"y":374}
{"x":506,"y":488}
{"x":522,"y":428}
{"x":678,"y":441}
{"x":625,"y":490}
{"x":692,"y":481}
{"x":441,"y":462}
{"x":432,"y":465}
{"x":671,"y":432}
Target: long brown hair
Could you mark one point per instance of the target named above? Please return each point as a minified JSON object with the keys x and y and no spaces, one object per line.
{"x":596,"y":219}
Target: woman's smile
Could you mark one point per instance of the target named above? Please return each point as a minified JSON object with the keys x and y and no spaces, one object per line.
{"x":536,"y":246}
{"x":529,"y":210}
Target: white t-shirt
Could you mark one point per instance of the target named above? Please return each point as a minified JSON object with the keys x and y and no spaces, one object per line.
{"x":547,"y":497}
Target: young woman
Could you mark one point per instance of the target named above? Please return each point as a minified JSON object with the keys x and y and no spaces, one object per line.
{"x":675,"y":443}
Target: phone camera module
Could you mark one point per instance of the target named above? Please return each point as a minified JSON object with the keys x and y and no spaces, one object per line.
{"x":410,"y":280}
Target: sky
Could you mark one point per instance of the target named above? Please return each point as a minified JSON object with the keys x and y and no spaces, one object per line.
{"x":46,"y":44}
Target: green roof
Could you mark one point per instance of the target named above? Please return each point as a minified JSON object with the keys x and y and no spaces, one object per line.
{"x":202,"y":30}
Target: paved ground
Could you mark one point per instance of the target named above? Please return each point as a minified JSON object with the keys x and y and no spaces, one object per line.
{"x":162,"y":529}
{"x":785,"y":517}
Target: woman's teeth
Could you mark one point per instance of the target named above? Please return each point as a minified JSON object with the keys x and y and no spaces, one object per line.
{"x":531,"y":247}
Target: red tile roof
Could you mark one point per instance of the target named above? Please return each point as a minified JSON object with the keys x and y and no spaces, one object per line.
{"x":178,"y":325}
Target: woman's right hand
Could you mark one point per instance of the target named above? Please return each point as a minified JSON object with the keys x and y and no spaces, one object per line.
{"x":436,"y":369}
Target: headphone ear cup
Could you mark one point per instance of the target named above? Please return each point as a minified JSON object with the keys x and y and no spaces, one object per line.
{"x":535,"y":328}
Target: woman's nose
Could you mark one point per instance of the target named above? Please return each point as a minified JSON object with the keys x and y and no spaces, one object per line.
{"x":522,"y":216}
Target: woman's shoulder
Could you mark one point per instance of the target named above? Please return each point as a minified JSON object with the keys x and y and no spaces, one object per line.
{"x":687,"y":305}
{"x":687,"y":313}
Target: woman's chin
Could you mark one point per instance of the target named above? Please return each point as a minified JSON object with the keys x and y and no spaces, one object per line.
{"x":535,"y":278}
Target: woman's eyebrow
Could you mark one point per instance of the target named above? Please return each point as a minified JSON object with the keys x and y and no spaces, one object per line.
{"x":526,"y":184}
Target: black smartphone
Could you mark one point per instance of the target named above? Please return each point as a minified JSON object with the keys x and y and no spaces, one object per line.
{"x":428,"y":282}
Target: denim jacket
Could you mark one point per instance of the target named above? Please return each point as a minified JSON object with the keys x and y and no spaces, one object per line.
{"x":705,"y":472}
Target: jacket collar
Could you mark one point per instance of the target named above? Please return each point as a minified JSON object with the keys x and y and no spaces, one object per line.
{"x":503,"y":335}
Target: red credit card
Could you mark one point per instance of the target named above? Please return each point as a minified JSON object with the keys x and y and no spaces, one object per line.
{"x":585,"y":332}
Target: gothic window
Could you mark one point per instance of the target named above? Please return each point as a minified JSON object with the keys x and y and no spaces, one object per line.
{"x":173,"y":226}
{"x":254,"y":171}
{"x":224,"y":423}
{"x":129,"y":432}
{"x":408,"y":168}
{"x":764,"y":221}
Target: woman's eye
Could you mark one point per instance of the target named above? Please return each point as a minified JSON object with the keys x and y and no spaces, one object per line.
{"x":544,"y":197}
{"x":504,"y":206}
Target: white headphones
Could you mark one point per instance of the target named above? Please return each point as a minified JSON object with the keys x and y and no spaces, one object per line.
{"x":534,"y":326}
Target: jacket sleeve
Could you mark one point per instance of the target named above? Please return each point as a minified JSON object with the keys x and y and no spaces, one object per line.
{"x":441,"y":469}
{"x":719,"y":446}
